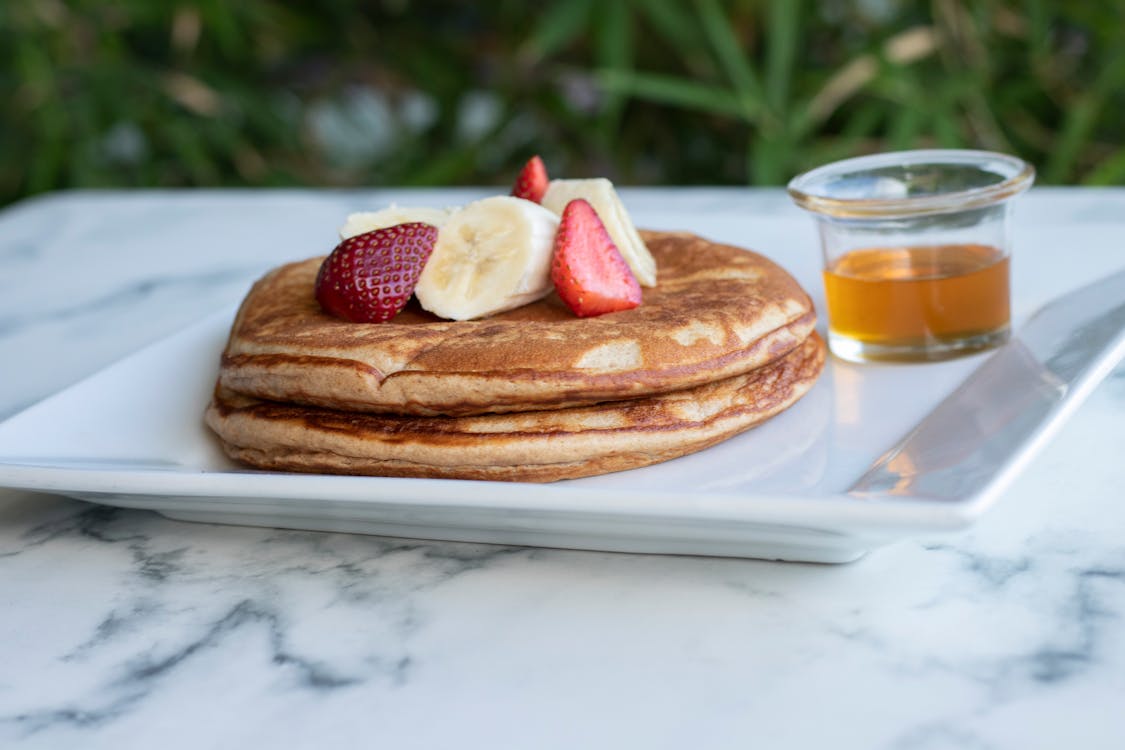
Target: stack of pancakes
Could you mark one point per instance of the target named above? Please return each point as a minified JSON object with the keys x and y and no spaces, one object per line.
{"x":723,"y":342}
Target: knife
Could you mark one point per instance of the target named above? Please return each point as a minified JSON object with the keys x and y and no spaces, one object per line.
{"x":1007,"y":410}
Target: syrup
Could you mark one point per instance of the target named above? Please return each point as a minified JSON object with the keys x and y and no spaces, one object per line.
{"x":910,"y":297}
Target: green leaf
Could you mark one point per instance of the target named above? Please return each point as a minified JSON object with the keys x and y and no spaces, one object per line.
{"x":558,"y":27}
{"x":1079,"y":122}
{"x":1039,"y":30}
{"x":674,"y":25}
{"x":615,"y":54}
{"x":728,"y":50}
{"x":946,"y":131}
{"x":673,"y":91}
{"x":446,"y":168}
{"x":769,"y":160}
{"x":1109,"y":171}
{"x":781,"y":48}
{"x":906,"y":128}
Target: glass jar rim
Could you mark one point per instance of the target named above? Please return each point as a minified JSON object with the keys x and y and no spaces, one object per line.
{"x":1014,"y":176}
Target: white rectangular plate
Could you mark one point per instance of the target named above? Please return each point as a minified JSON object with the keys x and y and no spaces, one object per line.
{"x":133,"y":436}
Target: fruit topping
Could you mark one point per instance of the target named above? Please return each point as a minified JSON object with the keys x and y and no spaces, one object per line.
{"x":531,"y":183}
{"x":588,"y":271}
{"x":600,"y":194}
{"x":369,"y":278}
{"x":492,"y":255}
{"x":369,"y":221}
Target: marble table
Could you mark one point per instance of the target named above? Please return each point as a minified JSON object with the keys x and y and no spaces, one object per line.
{"x":126,"y":629}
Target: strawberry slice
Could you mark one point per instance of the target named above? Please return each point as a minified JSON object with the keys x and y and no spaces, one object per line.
{"x":588,"y":271}
{"x":531,"y":183}
{"x":369,"y":278}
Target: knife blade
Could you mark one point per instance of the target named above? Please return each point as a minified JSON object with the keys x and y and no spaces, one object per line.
{"x":1007,"y":410}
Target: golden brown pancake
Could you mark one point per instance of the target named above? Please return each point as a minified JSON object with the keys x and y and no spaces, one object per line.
{"x":533,"y":446}
{"x":716,"y":312}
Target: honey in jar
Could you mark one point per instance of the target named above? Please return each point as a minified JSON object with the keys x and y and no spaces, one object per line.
{"x":895,"y":302}
{"x":916,"y":247}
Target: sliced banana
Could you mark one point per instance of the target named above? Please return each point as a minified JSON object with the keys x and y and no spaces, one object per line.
{"x":369,"y":221}
{"x":600,"y":194}
{"x":492,"y":255}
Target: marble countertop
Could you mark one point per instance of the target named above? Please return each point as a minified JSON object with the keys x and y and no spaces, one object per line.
{"x":122,"y":628}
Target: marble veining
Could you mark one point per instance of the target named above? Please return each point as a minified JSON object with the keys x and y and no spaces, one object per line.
{"x":119,"y":301}
{"x":353,"y":573}
{"x":122,"y":628}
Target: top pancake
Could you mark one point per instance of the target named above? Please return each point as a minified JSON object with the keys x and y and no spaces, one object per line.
{"x":717,"y":311}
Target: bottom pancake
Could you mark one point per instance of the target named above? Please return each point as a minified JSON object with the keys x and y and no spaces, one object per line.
{"x":535,"y":446}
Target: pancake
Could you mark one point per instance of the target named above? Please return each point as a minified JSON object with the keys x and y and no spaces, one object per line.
{"x":717,"y":311}
{"x":532,"y":446}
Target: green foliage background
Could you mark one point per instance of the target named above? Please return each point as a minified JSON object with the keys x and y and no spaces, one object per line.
{"x":120,"y":93}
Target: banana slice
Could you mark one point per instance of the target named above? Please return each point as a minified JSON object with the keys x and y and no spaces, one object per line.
{"x":600,"y":194}
{"x":492,"y":255}
{"x":369,"y":221}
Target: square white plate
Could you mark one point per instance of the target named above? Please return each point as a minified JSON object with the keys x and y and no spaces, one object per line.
{"x":133,"y":436}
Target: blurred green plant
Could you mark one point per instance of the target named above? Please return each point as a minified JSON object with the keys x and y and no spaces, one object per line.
{"x":343,"y":92}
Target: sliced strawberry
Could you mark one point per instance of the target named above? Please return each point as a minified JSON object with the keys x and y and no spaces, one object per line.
{"x":589,"y":273}
{"x":531,"y":183}
{"x":369,"y":278}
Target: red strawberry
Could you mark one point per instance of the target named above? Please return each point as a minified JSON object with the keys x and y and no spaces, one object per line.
{"x":370,"y":277}
{"x":532,"y":181}
{"x":589,"y":273}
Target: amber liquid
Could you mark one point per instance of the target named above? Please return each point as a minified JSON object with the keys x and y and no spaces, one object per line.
{"x":910,"y":298}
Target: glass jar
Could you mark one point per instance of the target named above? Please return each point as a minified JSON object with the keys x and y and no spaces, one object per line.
{"x":917,"y":248}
